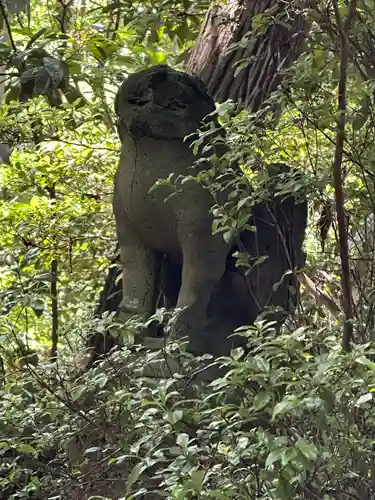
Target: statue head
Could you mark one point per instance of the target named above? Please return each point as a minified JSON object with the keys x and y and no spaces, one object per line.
{"x":163,"y":103}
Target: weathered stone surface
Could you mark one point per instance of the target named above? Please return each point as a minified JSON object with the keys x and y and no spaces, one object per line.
{"x":157,"y":108}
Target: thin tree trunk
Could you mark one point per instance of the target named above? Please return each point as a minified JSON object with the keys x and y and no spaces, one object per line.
{"x":4,"y":148}
{"x":55,"y":312}
{"x":337,"y":173}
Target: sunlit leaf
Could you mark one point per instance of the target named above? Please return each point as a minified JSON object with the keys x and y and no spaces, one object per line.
{"x":365,"y":398}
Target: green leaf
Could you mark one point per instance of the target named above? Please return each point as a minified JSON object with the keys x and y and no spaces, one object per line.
{"x":261,"y":400}
{"x":17,"y":6}
{"x":228,"y":235}
{"x":157,"y":57}
{"x":27,"y":448}
{"x":259,"y":22}
{"x":101,"y":380}
{"x":288,"y":455}
{"x":55,"y":69}
{"x":48,"y":277}
{"x":37,"y":305}
{"x":197,"y":477}
{"x":174,"y":416}
{"x":101,"y":48}
{"x":274,"y":456}
{"x":43,"y":82}
{"x":243,"y":201}
{"x":237,"y":353}
{"x":183,"y":440}
{"x":134,"y":476}
{"x":359,"y":121}
{"x":287,"y":404}
{"x":365,"y":398}
{"x":260,"y":260}
{"x":308,"y":450}
{"x":240,"y":67}
{"x":78,"y":392}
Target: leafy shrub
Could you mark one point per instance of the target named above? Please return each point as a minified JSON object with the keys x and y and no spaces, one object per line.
{"x":294,"y":418}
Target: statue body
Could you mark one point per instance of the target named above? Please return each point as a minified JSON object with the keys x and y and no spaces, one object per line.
{"x":157,"y":108}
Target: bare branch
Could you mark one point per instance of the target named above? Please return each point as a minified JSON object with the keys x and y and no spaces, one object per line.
{"x":343,"y":29}
{"x":4,"y":14}
{"x":55,"y":318}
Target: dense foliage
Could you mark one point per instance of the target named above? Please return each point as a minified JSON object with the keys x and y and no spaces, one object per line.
{"x":293,"y":419}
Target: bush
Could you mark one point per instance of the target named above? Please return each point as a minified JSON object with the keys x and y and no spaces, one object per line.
{"x":292,"y":419}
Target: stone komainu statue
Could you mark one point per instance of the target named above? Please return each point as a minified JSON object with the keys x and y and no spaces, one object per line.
{"x":157,"y":108}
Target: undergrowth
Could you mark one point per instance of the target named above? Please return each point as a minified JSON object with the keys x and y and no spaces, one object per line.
{"x":293,"y":418}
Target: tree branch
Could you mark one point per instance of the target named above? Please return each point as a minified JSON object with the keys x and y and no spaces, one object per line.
{"x":54,"y":304}
{"x":55,"y":318}
{"x":343,"y":29}
{"x":7,"y":24}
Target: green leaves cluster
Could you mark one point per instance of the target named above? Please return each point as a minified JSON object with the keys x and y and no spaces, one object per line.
{"x":286,"y":421}
{"x":63,"y":64}
{"x":294,"y":418}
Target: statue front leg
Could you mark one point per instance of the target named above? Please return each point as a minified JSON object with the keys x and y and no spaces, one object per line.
{"x":140,"y":267}
{"x":204,"y":263}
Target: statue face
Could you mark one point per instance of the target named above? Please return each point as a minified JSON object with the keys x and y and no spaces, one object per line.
{"x":165,"y":104}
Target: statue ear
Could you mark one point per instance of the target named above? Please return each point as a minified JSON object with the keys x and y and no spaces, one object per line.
{"x":159,"y":77}
{"x":200,"y":87}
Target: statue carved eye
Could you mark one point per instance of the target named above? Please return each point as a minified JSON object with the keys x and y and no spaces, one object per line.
{"x":176,"y":105}
{"x":138,"y":101}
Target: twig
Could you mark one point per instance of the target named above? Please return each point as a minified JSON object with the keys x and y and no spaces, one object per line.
{"x":55,"y":317}
{"x":117,"y":20}
{"x":320,"y":296}
{"x":64,"y":13}
{"x":7,"y":24}
{"x":54,"y":306}
{"x":343,"y":29}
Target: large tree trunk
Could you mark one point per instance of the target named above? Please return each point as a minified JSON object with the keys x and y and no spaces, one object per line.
{"x":264,"y":56}
{"x":267,"y":53}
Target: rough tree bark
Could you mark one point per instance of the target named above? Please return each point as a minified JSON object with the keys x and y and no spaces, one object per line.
{"x":265,"y":55}
{"x":214,"y":59}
